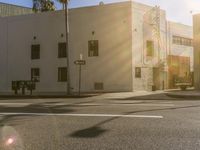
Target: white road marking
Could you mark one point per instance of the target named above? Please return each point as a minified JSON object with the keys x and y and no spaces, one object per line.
{"x":86,"y":115}
{"x":94,"y":104}
{"x":15,"y":104}
{"x":131,"y":104}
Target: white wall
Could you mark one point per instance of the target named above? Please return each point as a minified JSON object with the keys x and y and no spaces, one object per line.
{"x":112,"y":27}
{"x":4,"y":57}
{"x":47,"y":28}
{"x":113,"y":66}
{"x":142,"y":31}
{"x":177,"y":29}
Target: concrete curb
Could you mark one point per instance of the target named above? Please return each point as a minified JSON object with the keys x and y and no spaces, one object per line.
{"x":44,"y":96}
{"x":183,"y":96}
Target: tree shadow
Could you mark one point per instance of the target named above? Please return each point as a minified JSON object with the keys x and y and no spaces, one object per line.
{"x":154,"y":96}
{"x":36,"y":108}
{"x":141,"y":102}
{"x":13,"y":120}
{"x":22,"y":113}
{"x":89,"y":132}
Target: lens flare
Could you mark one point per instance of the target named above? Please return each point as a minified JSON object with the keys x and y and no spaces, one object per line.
{"x":10,"y":141}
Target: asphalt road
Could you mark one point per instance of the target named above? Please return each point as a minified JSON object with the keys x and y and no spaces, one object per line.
{"x":99,"y":124}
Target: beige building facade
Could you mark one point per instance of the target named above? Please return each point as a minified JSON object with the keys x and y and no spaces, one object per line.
{"x":124,"y":45}
{"x":196,"y":28}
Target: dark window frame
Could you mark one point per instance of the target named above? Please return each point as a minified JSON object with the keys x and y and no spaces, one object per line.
{"x":35,"y":74}
{"x":61,"y":77}
{"x":138,"y":72}
{"x":62,"y":50}
{"x":150,"y":48}
{"x":35,"y":51}
{"x":93,"y":48}
{"x":178,"y":40}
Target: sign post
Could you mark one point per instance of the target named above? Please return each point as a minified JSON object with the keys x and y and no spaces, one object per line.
{"x":79,"y":85}
{"x":80,"y":62}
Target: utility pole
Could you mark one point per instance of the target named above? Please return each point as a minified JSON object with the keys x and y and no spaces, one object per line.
{"x":67,"y":47}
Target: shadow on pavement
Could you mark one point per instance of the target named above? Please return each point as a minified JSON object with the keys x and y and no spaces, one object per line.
{"x":37,"y":108}
{"x":160,"y":96}
{"x":89,"y":132}
{"x":96,"y":130}
{"x":160,"y":109}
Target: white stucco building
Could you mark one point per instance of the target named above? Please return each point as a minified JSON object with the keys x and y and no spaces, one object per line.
{"x":180,"y":51}
{"x":124,"y":44}
{"x":181,"y":41}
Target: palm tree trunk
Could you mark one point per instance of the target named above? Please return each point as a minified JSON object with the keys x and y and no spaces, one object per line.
{"x":63,"y":5}
{"x":67,"y":48}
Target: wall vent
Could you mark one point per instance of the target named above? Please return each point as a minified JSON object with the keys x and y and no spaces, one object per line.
{"x":98,"y":86}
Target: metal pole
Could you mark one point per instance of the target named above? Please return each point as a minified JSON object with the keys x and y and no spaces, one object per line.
{"x":67,"y":48}
{"x":79,"y":90}
{"x":166,"y":63}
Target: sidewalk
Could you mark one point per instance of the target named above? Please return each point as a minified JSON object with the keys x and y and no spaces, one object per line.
{"x":175,"y":94}
{"x":136,"y":95}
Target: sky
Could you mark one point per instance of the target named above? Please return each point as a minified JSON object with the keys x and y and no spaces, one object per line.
{"x":177,"y":10}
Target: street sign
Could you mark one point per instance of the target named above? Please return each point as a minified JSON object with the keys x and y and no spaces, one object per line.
{"x":80,"y":62}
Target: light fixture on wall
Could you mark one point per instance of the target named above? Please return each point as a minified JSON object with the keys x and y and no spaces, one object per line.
{"x":62,"y":35}
{"x":34,"y":37}
{"x":93,"y":32}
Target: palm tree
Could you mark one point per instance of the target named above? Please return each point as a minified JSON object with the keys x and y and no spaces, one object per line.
{"x":65,"y":7}
{"x":43,"y":5}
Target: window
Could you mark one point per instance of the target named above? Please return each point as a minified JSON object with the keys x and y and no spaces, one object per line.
{"x":35,"y":51}
{"x":62,"y":74}
{"x":98,"y":86}
{"x":93,"y":48}
{"x":150,"y":48}
{"x":177,"y":40}
{"x":182,"y":41}
{"x":62,"y":51}
{"x":138,"y":72}
{"x":35,"y":74}
{"x":185,"y":41}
